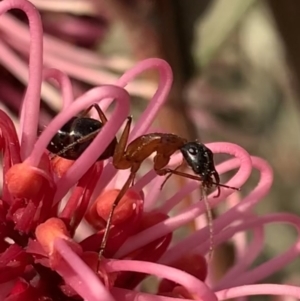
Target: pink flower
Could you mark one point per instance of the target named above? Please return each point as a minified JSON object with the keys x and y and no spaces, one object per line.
{"x":53,"y":212}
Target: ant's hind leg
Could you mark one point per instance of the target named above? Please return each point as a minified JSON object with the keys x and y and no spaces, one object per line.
{"x":111,"y":213}
{"x":121,"y":146}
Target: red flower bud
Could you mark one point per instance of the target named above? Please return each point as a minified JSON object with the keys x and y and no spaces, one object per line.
{"x":48,"y":231}
{"x":24,"y":181}
{"x":103,"y":204}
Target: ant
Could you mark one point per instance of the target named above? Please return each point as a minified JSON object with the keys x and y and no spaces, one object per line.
{"x":78,"y":133}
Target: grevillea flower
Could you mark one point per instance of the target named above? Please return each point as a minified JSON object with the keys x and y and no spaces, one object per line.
{"x":53,"y":212}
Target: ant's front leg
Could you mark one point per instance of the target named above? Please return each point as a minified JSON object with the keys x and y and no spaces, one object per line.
{"x":169,"y":174}
{"x":166,"y":171}
{"x":217,"y":183}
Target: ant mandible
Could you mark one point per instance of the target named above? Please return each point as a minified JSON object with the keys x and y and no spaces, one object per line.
{"x":78,"y":133}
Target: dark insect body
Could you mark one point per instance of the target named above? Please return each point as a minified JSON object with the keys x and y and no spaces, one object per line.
{"x":75,"y":129}
{"x":78,"y":133}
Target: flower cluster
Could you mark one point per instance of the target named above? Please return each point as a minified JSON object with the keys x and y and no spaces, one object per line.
{"x":53,"y":211}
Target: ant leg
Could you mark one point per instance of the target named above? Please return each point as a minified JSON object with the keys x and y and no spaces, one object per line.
{"x":111,"y":213}
{"x":165,"y":171}
{"x":210,"y":220}
{"x":203,"y":197}
{"x":169,"y":176}
{"x":217,"y":180}
{"x":118,"y":157}
{"x":101,"y":114}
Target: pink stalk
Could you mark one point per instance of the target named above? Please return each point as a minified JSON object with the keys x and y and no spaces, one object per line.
{"x":240,"y":240}
{"x":267,"y":268}
{"x":250,"y":252}
{"x":78,"y":275}
{"x":66,"y":51}
{"x":125,"y":295}
{"x":259,"y":289}
{"x":64,"y":83}
{"x":31,"y":103}
{"x":85,"y":71}
{"x":191,"y":283}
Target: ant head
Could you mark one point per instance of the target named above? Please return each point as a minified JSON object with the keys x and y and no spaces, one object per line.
{"x":200,"y":159}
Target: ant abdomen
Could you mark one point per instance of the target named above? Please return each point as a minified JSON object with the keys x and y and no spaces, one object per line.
{"x":77,"y":128}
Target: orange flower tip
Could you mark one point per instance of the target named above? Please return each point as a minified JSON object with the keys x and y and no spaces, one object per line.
{"x":125,"y":208}
{"x":25,"y":181}
{"x":60,"y":165}
{"x":48,"y":231}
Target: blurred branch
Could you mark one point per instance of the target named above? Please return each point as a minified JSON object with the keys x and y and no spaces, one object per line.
{"x":286,"y":15}
{"x":155,"y":29}
{"x":222,"y":19}
{"x":176,"y":27}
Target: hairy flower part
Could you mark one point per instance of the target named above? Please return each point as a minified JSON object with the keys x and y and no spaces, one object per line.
{"x":24,"y":181}
{"x":53,"y":212}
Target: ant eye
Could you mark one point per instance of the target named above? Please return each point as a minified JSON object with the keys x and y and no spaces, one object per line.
{"x":193,"y":151}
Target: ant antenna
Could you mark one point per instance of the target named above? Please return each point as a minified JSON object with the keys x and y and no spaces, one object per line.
{"x":226,"y":186}
{"x":210,"y":222}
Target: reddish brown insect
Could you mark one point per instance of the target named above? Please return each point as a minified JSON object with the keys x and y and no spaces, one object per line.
{"x":78,"y":133}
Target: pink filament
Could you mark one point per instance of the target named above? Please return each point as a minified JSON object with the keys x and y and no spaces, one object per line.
{"x":78,"y":275}
{"x":191,"y":283}
{"x":268,"y":268}
{"x":259,"y":289}
{"x":31,"y":103}
{"x":64,"y":83}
